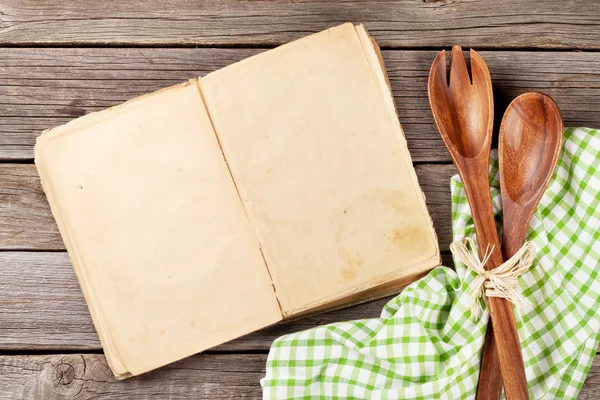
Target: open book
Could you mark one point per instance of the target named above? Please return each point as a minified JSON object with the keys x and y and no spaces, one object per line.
{"x":273,"y":188}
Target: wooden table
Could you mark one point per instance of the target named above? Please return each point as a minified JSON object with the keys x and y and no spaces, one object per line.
{"x":62,"y":59}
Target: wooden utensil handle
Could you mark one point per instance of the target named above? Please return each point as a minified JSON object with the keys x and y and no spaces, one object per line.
{"x":480,"y":202}
{"x":514,"y":234}
{"x":490,"y":378}
{"x":505,"y":328}
{"x":508,"y":348}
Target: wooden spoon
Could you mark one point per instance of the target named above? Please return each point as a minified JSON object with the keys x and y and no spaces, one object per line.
{"x":530,"y":142}
{"x":464,"y":114}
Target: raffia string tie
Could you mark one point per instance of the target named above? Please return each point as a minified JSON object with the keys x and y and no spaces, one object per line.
{"x":501,"y":281}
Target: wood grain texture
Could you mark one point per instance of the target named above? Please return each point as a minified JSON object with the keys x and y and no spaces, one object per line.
{"x":223,"y":376}
{"x":42,"y":88}
{"x":25,"y":218}
{"x":530,"y":142}
{"x":41,"y":305}
{"x":433,"y":23}
{"x":591,"y":387}
{"x":26,"y":222}
{"x":87,"y":376}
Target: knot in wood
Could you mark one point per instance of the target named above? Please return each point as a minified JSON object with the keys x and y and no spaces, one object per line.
{"x":63,"y":374}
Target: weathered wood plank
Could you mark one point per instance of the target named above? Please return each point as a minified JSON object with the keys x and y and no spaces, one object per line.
{"x":26,"y":222}
{"x":42,"y":308}
{"x":25,"y":218}
{"x":41,"y":88}
{"x":86,"y":376}
{"x":41,"y":304}
{"x":507,"y":23}
{"x":591,"y":387}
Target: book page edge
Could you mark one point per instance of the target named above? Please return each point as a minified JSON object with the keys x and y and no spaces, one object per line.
{"x":119,"y":370}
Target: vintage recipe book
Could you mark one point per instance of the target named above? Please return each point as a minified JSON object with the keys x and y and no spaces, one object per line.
{"x":273,"y":188}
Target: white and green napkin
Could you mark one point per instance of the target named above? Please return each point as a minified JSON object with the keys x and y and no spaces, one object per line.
{"x":428,"y":345}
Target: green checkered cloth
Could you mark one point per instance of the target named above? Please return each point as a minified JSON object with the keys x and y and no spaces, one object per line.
{"x":428,"y":345}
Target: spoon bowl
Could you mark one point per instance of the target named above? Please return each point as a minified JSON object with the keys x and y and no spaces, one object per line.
{"x":529,"y":145}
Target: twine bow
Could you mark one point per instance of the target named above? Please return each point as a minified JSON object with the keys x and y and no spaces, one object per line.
{"x":501,"y":281}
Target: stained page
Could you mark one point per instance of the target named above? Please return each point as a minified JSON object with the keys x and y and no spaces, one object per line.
{"x":153,"y":224}
{"x":311,"y":136}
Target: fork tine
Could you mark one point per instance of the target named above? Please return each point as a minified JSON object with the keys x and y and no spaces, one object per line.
{"x":459,"y":74}
{"x":437,"y":73}
{"x":479,"y":69}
